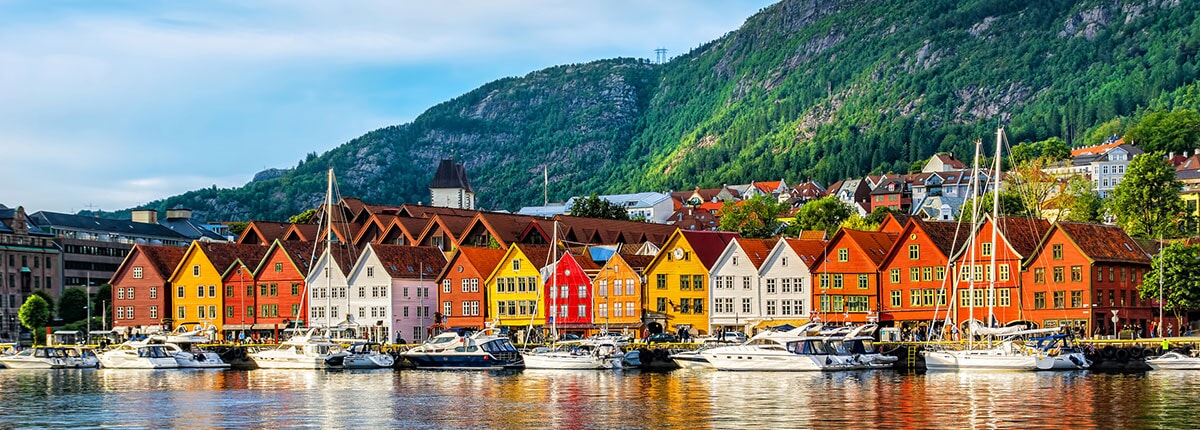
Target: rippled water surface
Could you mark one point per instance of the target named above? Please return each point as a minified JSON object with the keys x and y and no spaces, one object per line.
{"x":594,"y":399}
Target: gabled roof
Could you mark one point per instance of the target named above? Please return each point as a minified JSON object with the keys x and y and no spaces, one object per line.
{"x":597,"y":230}
{"x":708,"y":245}
{"x":47,"y":220}
{"x":304,"y":232}
{"x":299,"y":253}
{"x":874,"y":244}
{"x":808,"y":250}
{"x":163,"y":259}
{"x":224,"y":255}
{"x":820,"y":235}
{"x":636,"y":261}
{"x":756,"y":249}
{"x":421,"y":211}
{"x":410,"y":262}
{"x":1023,"y":234}
{"x":484,"y":260}
{"x":943,"y":234}
{"x":505,"y":228}
{"x":191,"y":229}
{"x":263,"y":232}
{"x":949,"y":161}
{"x":539,"y":255}
{"x":1106,"y":243}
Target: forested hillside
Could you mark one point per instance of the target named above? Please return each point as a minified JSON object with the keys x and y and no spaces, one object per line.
{"x":805,"y":89}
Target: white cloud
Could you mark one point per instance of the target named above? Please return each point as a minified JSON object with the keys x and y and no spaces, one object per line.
{"x":187,"y":94}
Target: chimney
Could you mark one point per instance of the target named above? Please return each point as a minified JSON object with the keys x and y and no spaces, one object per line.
{"x":179,"y":213}
{"x":20,"y":224}
{"x":144,"y":216}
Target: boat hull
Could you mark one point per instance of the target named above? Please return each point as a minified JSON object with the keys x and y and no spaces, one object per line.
{"x":31,"y":364}
{"x":561,"y":361}
{"x":380,"y":361}
{"x":461,"y":361}
{"x":691,"y":360}
{"x":267,"y":361}
{"x":1174,"y":361}
{"x":739,"y":358}
{"x":978,"y":360}
{"x":1072,"y":361}
{"x":138,"y":363}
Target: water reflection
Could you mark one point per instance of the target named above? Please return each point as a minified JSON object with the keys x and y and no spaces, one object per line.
{"x":593,"y":399}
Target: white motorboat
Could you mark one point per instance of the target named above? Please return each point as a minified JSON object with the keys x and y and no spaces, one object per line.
{"x":1058,"y":352}
{"x":793,"y":350}
{"x":363,"y":355}
{"x":602,"y":354}
{"x":190,"y":356}
{"x":36,"y":358}
{"x":1174,"y":361}
{"x":861,"y":343}
{"x":81,"y":357}
{"x":691,"y":360}
{"x":310,"y":350}
{"x":460,"y":349}
{"x":138,"y":355}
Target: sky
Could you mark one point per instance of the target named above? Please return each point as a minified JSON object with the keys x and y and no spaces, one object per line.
{"x":105,"y":105}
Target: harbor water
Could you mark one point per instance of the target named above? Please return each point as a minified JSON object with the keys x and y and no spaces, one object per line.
{"x":594,"y":399}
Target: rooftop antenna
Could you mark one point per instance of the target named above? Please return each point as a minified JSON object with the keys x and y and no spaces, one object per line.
{"x":660,"y":55}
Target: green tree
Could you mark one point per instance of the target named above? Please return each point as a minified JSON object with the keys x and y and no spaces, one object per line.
{"x":595,"y":207}
{"x":72,"y":306}
{"x":305,"y":217}
{"x":1082,"y":202}
{"x":1177,"y":267}
{"x":826,"y":214}
{"x":757,"y":217}
{"x":1011,"y":204}
{"x":877,"y":216}
{"x":48,"y":299}
{"x":34,"y":314}
{"x":857,"y":222}
{"x":237,"y":227}
{"x":1160,"y":131}
{"x":1146,"y":202}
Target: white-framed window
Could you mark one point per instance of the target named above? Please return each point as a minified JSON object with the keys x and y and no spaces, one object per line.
{"x":153,"y":292}
{"x":603,"y":286}
{"x":154,"y":312}
{"x":475,"y":307}
{"x":370,"y":271}
{"x":474,"y":285}
{"x":582,"y":311}
{"x":602,"y":310}
{"x":629,"y":306}
{"x":196,"y":271}
{"x":466,"y":285}
{"x":446,"y":308}
{"x":120,"y":312}
{"x":583,"y":291}
{"x":121,"y":294}
{"x":129,"y":293}
{"x":137,"y":272}
{"x":182,"y":313}
{"x":629,"y":287}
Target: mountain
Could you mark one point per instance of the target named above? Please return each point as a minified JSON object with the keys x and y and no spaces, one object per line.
{"x":805,"y":89}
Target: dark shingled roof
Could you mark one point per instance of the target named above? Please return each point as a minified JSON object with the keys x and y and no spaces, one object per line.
{"x":942,"y":234}
{"x":163,"y":258}
{"x":1023,"y":234}
{"x":637,"y":261}
{"x":875,"y":244}
{"x":263,"y":232}
{"x":450,"y":175}
{"x":223,"y":255}
{"x":410,"y":262}
{"x":86,"y":223}
{"x":300,"y":252}
{"x":708,"y":244}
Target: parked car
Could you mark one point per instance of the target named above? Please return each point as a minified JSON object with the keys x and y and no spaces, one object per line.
{"x":662,"y":338}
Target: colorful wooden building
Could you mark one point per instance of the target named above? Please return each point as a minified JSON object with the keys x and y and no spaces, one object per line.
{"x":915,"y":287}
{"x":514,"y":299}
{"x":463,"y":293}
{"x":847,"y":286}
{"x":199,"y":280}
{"x":678,"y":293}
{"x":1011,"y":241}
{"x":141,"y":288}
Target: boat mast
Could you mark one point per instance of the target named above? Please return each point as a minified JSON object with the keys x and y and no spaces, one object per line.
{"x":328,"y":246}
{"x":991,"y":297}
{"x":975,"y":207}
{"x":554,"y":281}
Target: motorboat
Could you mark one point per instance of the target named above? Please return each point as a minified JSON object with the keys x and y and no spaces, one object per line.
{"x":36,"y":358}
{"x":601,"y":354}
{"x":81,"y":357}
{"x":1058,"y":352}
{"x":861,"y":342}
{"x":691,"y":359}
{"x":793,"y":350}
{"x":138,"y":355}
{"x":190,"y":356}
{"x":363,"y":355}
{"x":463,"y":349}
{"x":311,"y":350}
{"x":1174,"y":360}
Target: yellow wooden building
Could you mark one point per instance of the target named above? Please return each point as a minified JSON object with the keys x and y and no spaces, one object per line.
{"x":513,"y":287}
{"x":197,"y":289}
{"x":677,"y":288}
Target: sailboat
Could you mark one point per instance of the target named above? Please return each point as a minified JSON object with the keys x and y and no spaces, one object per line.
{"x":584,"y":354}
{"x":1003,"y":349}
{"x":314,"y":349}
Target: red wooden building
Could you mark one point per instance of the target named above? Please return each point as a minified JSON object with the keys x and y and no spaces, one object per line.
{"x":569,"y":294}
{"x":141,"y":288}
{"x":1080,"y":273}
{"x":846,"y":281}
{"x":462,"y":285}
{"x":915,"y":287}
{"x":1015,"y":240}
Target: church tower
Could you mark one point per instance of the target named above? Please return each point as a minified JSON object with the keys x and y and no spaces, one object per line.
{"x":450,"y":187}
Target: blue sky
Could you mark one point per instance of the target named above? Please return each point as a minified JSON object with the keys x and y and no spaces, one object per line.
{"x":110,"y":104}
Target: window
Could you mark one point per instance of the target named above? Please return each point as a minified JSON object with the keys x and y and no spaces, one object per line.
{"x":1077,"y":298}
{"x":278,"y":267}
{"x":697,"y":282}
{"x":516,"y":265}
{"x":1058,"y":274}
{"x":229,"y":312}
{"x":1039,"y":300}
{"x":746,"y":305}
{"x":863,"y":282}
{"x":446,"y":308}
{"x":894,"y":275}
{"x":200,"y":312}
{"x":895,"y":298}
{"x":1039,"y":275}
{"x":474,"y":285}
{"x":229,"y":291}
{"x":685,"y":282}
{"x":1057,"y":250}
{"x":602,"y":310}
{"x":914,"y":251}
{"x":661,"y":304}
{"x":939,"y":273}
{"x":843,"y":254}
{"x":200,"y":292}
{"x":250,"y":291}
{"x":137,"y":272}
{"x":927,"y":273}
{"x":182,"y":313}
{"x":837,"y":281}
{"x":697,"y":305}
{"x":660,"y":281}
{"x":1005,"y":297}
{"x":153,"y":293}
{"x":121,"y":293}
{"x":914,"y":298}
{"x":914,"y":274}
{"x":986,"y":249}
{"x":581,"y":311}
{"x":1076,"y":273}
{"x":371,"y":271}
{"x":262,"y":290}
{"x":446,"y":286}
{"x":154,"y":312}
{"x":602,"y":286}
{"x":618,"y":286}
{"x":1110,"y":274}
{"x":824,"y":281}
{"x":466,"y":308}
{"x":771,"y":285}
{"x":857,"y":303}
{"x":746,"y":284}
{"x":771,"y":307}
{"x":1060,"y":299}
{"x":196,"y":271}
{"x":583,"y":291}
{"x":566,"y":292}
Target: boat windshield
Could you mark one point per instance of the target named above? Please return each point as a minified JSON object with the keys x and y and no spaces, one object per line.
{"x":442,"y":339}
{"x":814,"y":347}
{"x":837,"y":347}
{"x":499,"y":345}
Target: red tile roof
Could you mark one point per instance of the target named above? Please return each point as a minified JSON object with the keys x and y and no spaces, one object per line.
{"x":875,"y":244}
{"x":163,"y":258}
{"x":224,"y":255}
{"x":263,"y":232}
{"x":483,"y":259}
{"x":1096,"y":150}
{"x":1023,"y":234}
{"x":820,"y":235}
{"x":756,"y":249}
{"x":951,"y":162}
{"x":808,"y":250}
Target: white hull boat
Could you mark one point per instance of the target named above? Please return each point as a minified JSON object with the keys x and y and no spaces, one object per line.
{"x":1001,"y":358}
{"x":1174,"y":361}
{"x":363,"y":355}
{"x":138,"y":355}
{"x":585,"y":355}
{"x":36,"y":358}
{"x":306,"y":351}
{"x":691,"y":360}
